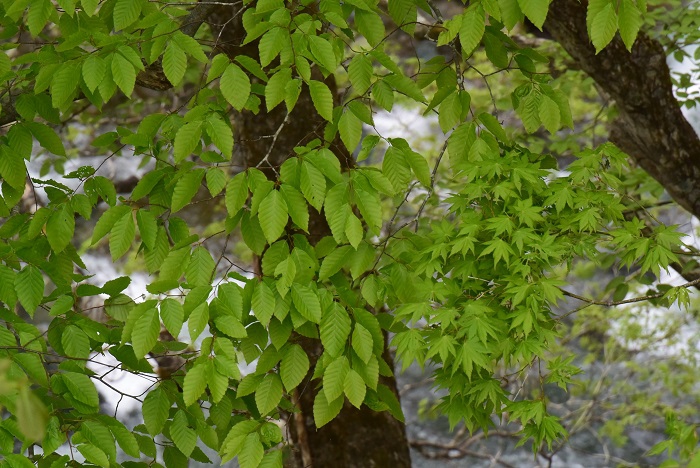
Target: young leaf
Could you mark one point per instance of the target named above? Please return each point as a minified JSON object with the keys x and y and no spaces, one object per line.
{"x":273,"y":215}
{"x":335,"y":330}
{"x":268,"y":393}
{"x":472,"y":29}
{"x":306,"y":302}
{"x":322,"y":99}
{"x":123,"y":74}
{"x":236,"y":193}
{"x":195,"y":383}
{"x":156,"y":407}
{"x":187,"y":139}
{"x":174,"y":63}
{"x":354,"y":388}
{"x":60,"y":228}
{"x":145,"y":333}
{"x":125,"y":13}
{"x":122,"y":235}
{"x":235,"y":86}
{"x":185,"y":437}
{"x":334,"y":377}
{"x":186,"y":188}
{"x":294,"y":367}
{"x":325,"y":411}
{"x":360,"y":73}
{"x":296,"y":206}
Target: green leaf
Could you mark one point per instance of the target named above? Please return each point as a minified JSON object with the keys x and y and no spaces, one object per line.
{"x":32,"y":417}
{"x":222,"y":136}
{"x":94,"y":455}
{"x":353,"y":230}
{"x":535,"y":10}
{"x":7,"y":286}
{"x":185,"y":437}
{"x":334,"y":262}
{"x":195,"y":383}
{"x":273,"y":459}
{"x":370,"y":25}
{"x":362,"y":342}
{"x":191,"y":46}
{"x":198,"y":320}
{"x":39,"y":13}
{"x":396,"y":168}
{"x":510,"y":13}
{"x":47,"y":137}
{"x":148,"y":227}
{"x":370,"y":208}
{"x":549,"y":114}
{"x":383,"y":95}
{"x":270,"y":45}
{"x":419,"y":166}
{"x":99,"y":435}
{"x":306,"y":302}
{"x":94,"y":69}
{"x":200,"y":269}
{"x":313,"y":185}
{"x":216,"y":180}
{"x":125,"y":438}
{"x":350,"y":128}
{"x":273,"y":215}
{"x":472,"y":29}
{"x":322,"y":99}
{"x":173,"y":315}
{"x":29,"y":285}
{"x":263,"y":302}
{"x":253,"y":235}
{"x":360,"y":73}
{"x":268,"y":393}
{"x":60,"y":228}
{"x":335,"y":330}
{"x":64,"y":84}
{"x":122,"y":236}
{"x":75,"y":342}
{"x":145,"y":333}
{"x":81,"y":389}
{"x":155,"y":409}
{"x":334,"y":378}
{"x":174,"y":63}
{"x":107,"y":221}
{"x":354,"y":388}
{"x":325,"y":411}
{"x":323,"y":53}
{"x":603,"y":27}
{"x":294,"y":367}
{"x":186,"y":188}
{"x":236,"y":193}
{"x":187,"y":140}
{"x":123,"y":74}
{"x":12,"y":168}
{"x":252,"y":451}
{"x":125,"y":13}
{"x":296,"y":206}
{"x":235,"y":86}
{"x":630,"y":20}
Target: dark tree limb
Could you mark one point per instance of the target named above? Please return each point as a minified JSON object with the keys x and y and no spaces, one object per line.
{"x":650,"y":127}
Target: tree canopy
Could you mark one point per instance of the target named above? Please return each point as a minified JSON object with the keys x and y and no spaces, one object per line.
{"x":279,"y":227}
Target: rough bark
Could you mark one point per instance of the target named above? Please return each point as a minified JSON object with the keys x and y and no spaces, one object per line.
{"x":650,"y":127}
{"x":356,"y":438}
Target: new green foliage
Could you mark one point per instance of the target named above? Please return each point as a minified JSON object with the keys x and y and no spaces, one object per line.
{"x":456,"y":252}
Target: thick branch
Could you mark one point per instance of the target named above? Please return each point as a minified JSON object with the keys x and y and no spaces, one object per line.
{"x":650,"y":126}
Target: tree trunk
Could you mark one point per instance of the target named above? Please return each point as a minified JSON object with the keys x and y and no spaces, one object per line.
{"x":650,"y":127}
{"x":359,"y":438}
